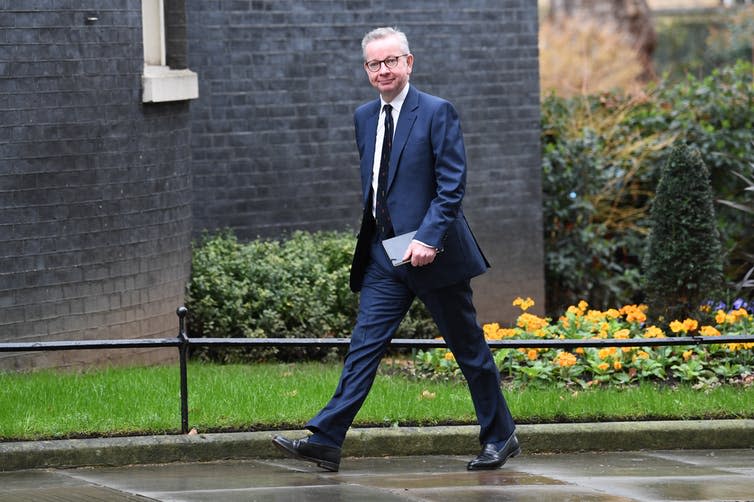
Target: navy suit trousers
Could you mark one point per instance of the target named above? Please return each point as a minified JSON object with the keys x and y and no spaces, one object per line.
{"x":386,"y":296}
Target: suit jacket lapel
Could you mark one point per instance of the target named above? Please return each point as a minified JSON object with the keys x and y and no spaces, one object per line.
{"x":367,"y":160}
{"x":402,"y":130}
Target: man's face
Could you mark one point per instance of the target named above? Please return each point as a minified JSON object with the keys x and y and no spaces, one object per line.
{"x":388,"y":81}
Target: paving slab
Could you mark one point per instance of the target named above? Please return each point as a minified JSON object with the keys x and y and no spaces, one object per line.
{"x":644,"y":476}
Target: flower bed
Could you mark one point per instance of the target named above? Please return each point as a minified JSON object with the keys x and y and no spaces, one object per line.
{"x":703,"y":365}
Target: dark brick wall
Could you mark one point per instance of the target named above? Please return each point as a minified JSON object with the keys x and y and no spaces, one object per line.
{"x":272,"y":135}
{"x":95,"y":191}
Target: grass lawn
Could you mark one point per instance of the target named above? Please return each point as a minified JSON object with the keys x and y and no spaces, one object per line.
{"x":145,"y":400}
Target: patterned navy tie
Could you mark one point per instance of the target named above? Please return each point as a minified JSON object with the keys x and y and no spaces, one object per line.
{"x":381,"y":213}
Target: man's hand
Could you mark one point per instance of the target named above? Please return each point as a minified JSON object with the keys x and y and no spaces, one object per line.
{"x":419,"y":254}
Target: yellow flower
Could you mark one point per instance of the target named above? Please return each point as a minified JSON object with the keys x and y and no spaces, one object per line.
{"x":720,"y":317}
{"x":490,"y":329}
{"x":579,"y":350}
{"x":634,"y":313}
{"x":603,"y":366}
{"x":617,"y":365}
{"x":530,"y":322}
{"x":709,"y":331}
{"x":612,"y":313}
{"x":595,"y":316}
{"x":532,"y":354}
{"x":642,"y":355}
{"x":622,"y":334}
{"x":523,"y":304}
{"x":565,"y":359}
{"x":684,"y":327}
{"x":583,"y":306}
{"x":506,"y":332}
{"x":687,"y":355}
{"x":607,"y":352}
{"x":573,"y":310}
{"x":449,"y":356}
{"x":738,"y":315}
{"x":690,"y":325}
{"x":653,"y":332}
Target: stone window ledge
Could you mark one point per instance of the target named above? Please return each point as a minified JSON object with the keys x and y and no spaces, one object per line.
{"x":162,"y":83}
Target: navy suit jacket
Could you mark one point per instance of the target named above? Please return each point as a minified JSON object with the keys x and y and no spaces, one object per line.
{"x":426,"y":184}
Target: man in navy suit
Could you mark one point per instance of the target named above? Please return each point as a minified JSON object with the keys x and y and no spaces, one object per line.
{"x":413,"y":176}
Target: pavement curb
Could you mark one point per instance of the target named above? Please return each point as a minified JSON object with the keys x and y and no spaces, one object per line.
{"x":378,"y":442}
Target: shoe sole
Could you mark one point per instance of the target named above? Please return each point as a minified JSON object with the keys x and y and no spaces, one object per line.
{"x":328,"y":466}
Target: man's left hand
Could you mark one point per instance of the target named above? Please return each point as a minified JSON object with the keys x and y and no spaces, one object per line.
{"x":419,"y":254}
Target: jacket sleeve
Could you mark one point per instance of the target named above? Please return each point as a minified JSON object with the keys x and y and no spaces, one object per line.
{"x":449,"y":155}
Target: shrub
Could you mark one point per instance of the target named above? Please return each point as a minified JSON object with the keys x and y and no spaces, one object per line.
{"x":602,"y":156}
{"x":292,"y":288}
{"x":683,"y":266}
{"x":596,"y":188}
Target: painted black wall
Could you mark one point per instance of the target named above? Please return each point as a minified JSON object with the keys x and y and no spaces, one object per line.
{"x":95,"y":191}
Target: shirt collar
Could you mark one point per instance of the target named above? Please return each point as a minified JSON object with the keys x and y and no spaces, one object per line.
{"x":396,"y":103}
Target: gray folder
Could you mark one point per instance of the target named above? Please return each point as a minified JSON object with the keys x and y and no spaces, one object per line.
{"x":396,"y":247}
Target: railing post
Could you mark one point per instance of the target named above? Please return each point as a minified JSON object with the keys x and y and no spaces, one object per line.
{"x":183,"y":357}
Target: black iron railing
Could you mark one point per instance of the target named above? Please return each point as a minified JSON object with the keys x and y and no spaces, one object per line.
{"x":183,"y":342}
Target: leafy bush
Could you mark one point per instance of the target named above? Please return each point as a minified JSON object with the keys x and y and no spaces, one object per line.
{"x":585,"y":367}
{"x":294,"y":288}
{"x":682,"y":264}
{"x":602,"y":156}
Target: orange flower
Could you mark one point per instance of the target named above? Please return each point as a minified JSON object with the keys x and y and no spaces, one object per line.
{"x":523,"y":304}
{"x":565,"y":359}
{"x":612,"y":313}
{"x":532,"y":354}
{"x":687,"y":355}
{"x":720,"y":317}
{"x":530,"y":322}
{"x":709,"y":331}
{"x":449,"y":356}
{"x":603,"y":366}
{"x":617,"y":365}
{"x":490,"y":329}
{"x":506,"y":332}
{"x":622,"y":334}
{"x":684,"y":327}
{"x":653,"y":332}
{"x":690,"y":324}
{"x":634,"y":313}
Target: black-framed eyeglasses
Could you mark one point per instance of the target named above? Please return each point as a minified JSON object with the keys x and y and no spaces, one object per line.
{"x":390,"y":62}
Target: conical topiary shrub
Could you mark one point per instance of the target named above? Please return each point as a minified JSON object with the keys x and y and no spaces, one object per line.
{"x":683,"y":262}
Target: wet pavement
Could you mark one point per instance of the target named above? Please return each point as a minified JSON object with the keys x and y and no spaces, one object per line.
{"x":656,"y":475}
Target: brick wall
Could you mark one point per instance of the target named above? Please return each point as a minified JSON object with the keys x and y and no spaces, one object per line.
{"x":272,"y":135}
{"x":95,"y":188}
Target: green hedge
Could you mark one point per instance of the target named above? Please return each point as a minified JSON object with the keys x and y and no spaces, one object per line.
{"x":292,"y":288}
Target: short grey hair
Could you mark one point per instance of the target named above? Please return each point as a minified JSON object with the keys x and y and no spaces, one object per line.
{"x":385,"y":32}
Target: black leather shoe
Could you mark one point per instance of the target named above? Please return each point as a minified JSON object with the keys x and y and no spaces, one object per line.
{"x":326,"y":457}
{"x":492,"y":458}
